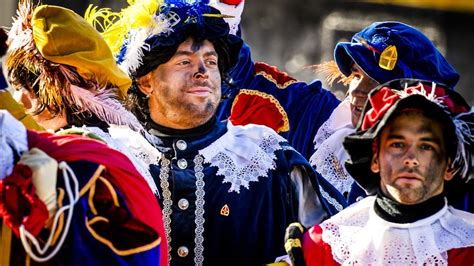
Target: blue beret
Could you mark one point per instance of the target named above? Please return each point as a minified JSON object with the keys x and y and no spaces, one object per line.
{"x":418,"y":58}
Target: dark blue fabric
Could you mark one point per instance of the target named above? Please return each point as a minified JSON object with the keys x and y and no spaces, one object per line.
{"x":253,"y":233}
{"x":417,"y":56}
{"x":308,"y":106}
{"x":3,"y":81}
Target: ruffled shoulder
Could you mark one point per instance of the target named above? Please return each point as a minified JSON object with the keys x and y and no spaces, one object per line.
{"x":243,"y":154}
{"x":256,"y":107}
{"x":357,"y":235}
{"x":273,"y":74}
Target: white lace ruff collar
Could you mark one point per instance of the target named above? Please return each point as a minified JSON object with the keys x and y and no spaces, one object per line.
{"x":243,"y":154}
{"x":358,"y":236}
{"x":329,"y":156}
{"x":13,"y":140}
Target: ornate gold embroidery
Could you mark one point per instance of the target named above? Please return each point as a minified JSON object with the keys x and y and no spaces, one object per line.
{"x":286,"y":122}
{"x":106,"y":242}
{"x":271,"y":79}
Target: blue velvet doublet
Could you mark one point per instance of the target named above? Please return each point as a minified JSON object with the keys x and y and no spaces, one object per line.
{"x":240,"y":228}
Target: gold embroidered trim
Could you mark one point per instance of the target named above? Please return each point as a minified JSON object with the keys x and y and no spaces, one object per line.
{"x":286,"y":122}
{"x":111,"y":190}
{"x":59,"y":229}
{"x":292,"y":243}
{"x":91,"y":181}
{"x":271,"y":79}
{"x":90,"y":199}
{"x":111,"y":245}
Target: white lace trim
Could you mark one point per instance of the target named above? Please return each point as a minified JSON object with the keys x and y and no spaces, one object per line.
{"x":330,"y":199}
{"x":243,"y":154}
{"x":134,"y":146}
{"x":358,"y":236}
{"x":329,"y":157}
{"x":13,"y":140}
{"x":138,"y":145}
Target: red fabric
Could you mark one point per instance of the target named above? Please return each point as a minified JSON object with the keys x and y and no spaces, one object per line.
{"x":19,"y":204}
{"x":380,"y":102}
{"x":280,"y":77}
{"x":316,"y":252}
{"x":255,"y":109}
{"x":232,"y":2}
{"x":121,"y":173}
{"x":461,"y":256}
{"x":386,"y":98}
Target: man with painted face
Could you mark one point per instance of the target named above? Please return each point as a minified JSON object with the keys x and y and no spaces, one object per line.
{"x":228,"y":192}
{"x":381,"y":52}
{"x":411,"y":149}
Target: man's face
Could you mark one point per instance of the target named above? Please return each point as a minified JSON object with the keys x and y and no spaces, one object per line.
{"x":186,"y":90}
{"x":412,"y":159}
{"x":359,"y":88}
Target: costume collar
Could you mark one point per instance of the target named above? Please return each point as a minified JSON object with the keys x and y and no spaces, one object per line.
{"x":357,"y":235}
{"x":329,"y":156}
{"x":395,"y":212}
{"x":162,"y":131}
{"x":243,"y":154}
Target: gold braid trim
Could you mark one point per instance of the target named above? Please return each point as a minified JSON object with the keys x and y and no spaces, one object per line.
{"x":108,"y":243}
{"x":292,"y":243}
{"x":271,"y":79}
{"x":286,"y":122}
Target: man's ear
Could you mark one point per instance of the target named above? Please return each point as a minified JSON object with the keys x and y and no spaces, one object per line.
{"x":450,"y":171}
{"x":374,"y":164}
{"x":144,"y":84}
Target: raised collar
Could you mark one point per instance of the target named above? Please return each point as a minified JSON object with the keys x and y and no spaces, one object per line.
{"x":166,"y":132}
{"x":395,"y":212}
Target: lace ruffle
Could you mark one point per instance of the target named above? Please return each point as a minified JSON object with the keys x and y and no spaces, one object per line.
{"x":244,"y":154}
{"x":134,"y":146}
{"x":357,"y":236}
{"x":329,"y":157}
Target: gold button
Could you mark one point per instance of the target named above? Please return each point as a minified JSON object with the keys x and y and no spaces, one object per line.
{"x":183,"y":204}
{"x":183,"y":251}
{"x":182,"y":163}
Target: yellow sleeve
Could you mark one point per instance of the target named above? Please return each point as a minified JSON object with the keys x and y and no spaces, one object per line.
{"x":18,"y":111}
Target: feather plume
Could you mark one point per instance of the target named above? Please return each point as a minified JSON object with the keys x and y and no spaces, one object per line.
{"x":115,"y":27}
{"x":331,"y":73}
{"x":129,"y":29}
{"x":105,"y":106}
{"x":465,"y":142}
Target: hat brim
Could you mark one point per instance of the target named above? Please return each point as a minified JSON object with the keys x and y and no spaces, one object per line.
{"x":346,"y":54}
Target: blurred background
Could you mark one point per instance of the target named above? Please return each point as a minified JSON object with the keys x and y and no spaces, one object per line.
{"x":295,"y":34}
